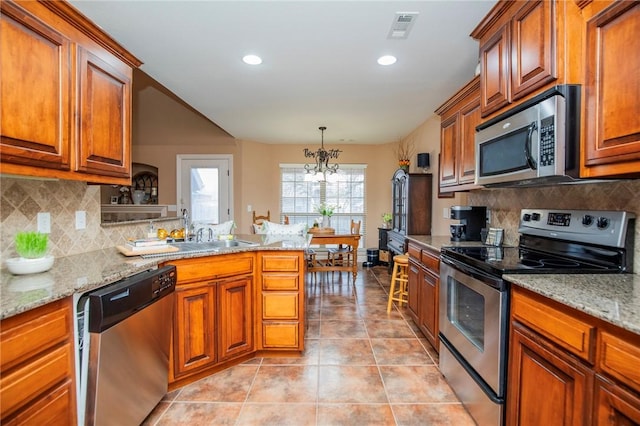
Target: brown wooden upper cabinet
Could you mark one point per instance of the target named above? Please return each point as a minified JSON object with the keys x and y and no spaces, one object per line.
{"x":522,"y":50}
{"x":65,"y":95}
{"x":611,"y":125}
{"x":459,"y":117}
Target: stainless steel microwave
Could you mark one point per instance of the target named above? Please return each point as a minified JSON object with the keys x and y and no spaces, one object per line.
{"x":535,"y":143}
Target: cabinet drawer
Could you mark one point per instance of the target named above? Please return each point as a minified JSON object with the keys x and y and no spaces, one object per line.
{"x":620,"y":359}
{"x":570,"y":333}
{"x":44,"y":330}
{"x":56,"y":408}
{"x":280,"y":335}
{"x":431,"y":261}
{"x":280,"y":263}
{"x":21,"y":386}
{"x":213,"y":267}
{"x":414,"y":251}
{"x":280,"y":306}
{"x":280,"y":282}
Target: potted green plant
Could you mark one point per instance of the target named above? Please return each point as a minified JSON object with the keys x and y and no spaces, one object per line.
{"x":326,"y":211}
{"x":386,"y":220}
{"x":32,"y":249}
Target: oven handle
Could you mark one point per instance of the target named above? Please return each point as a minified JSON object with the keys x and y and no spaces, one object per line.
{"x":474,"y":375}
{"x":492,"y":281}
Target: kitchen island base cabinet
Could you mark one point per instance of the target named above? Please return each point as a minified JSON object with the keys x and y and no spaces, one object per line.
{"x":282,"y":301}
{"x":214,"y":321}
{"x":194,"y":329}
{"x":37,"y":384}
{"x":233,"y":307}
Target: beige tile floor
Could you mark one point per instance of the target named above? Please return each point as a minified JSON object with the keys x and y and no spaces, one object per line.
{"x":361,"y":367}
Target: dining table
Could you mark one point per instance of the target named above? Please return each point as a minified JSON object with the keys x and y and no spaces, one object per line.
{"x":345,"y":263}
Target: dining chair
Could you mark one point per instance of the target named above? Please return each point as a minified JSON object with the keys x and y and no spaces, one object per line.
{"x":343,"y":255}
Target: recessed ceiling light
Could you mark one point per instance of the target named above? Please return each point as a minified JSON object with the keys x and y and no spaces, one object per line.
{"x":387,"y":60}
{"x":252,"y":59}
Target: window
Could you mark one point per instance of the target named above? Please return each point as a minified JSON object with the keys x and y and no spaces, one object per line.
{"x":301,"y":195}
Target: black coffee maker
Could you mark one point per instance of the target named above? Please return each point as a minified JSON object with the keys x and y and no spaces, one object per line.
{"x":472,"y":220}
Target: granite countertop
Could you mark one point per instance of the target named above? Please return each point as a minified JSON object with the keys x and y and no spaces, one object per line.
{"x":614,"y":298}
{"x":80,"y":273}
{"x":436,"y":242}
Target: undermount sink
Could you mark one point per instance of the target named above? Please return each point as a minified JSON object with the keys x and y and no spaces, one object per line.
{"x":204,"y":247}
{"x":190,"y":246}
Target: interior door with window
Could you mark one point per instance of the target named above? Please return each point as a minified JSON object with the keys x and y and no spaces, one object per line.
{"x":205,"y":187}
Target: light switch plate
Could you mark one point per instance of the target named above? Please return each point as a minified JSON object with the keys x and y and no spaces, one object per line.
{"x":81,"y":219}
{"x":44,"y":222}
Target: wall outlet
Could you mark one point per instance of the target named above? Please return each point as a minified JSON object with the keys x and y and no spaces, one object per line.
{"x":81,"y":219}
{"x":488,"y":217}
{"x":44,"y":222}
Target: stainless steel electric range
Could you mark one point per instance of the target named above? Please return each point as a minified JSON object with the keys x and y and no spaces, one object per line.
{"x":474,"y":298}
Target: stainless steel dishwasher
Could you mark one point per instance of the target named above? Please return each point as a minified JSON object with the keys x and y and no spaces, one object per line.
{"x":124,"y":335}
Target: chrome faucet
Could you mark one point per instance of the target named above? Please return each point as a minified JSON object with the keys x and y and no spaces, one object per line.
{"x":200,"y":235}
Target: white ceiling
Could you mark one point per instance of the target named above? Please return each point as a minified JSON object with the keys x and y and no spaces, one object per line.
{"x":319,"y":62}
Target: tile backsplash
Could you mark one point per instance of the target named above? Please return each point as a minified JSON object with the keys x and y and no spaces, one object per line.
{"x":22,"y":199}
{"x":505,"y":204}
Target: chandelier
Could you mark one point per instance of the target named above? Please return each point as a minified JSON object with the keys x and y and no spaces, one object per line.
{"x":322,"y":157}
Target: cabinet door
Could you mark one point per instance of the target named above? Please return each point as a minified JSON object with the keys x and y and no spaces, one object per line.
{"x":429,"y":307}
{"x":612,"y":110}
{"x":545,"y":387}
{"x":105,"y":116}
{"x":494,"y":72}
{"x":448,"y":156}
{"x":194,"y":343}
{"x":35,"y":91}
{"x":469,"y":119}
{"x":614,"y":405}
{"x":533,"y":50}
{"x":415,"y":275}
{"x":235,"y":321}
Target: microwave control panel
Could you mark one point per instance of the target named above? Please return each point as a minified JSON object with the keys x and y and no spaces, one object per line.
{"x":547,"y":142}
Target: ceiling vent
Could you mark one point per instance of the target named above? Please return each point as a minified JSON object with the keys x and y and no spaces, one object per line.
{"x":402,"y":24}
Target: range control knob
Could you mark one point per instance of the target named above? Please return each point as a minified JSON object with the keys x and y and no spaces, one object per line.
{"x":602,"y":222}
{"x":535,"y":216}
{"x":587,"y":220}
{"x":526,"y":217}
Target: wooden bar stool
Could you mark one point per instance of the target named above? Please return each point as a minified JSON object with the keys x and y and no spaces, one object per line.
{"x":399,"y":280}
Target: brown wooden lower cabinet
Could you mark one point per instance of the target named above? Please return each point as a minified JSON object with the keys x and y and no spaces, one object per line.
{"x":569,"y":368}
{"x":424,"y":287}
{"x":37,"y":384}
{"x":193,"y":332}
{"x":614,"y":405}
{"x":230,"y":306}
{"x":280,"y":310}
{"x":235,"y":318}
{"x":545,"y":386}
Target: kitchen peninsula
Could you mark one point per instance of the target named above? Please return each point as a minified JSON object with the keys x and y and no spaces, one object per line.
{"x":266,"y":279}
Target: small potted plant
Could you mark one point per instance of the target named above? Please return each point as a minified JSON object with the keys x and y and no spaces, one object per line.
{"x":32,"y":249}
{"x":386,"y":220}
{"x":326,"y":211}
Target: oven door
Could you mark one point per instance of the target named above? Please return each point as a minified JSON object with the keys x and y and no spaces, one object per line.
{"x":473,"y":321}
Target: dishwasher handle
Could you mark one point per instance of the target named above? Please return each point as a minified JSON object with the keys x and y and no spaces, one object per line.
{"x":118,"y":301}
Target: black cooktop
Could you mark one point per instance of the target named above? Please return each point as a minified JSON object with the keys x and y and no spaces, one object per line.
{"x":517,"y":260}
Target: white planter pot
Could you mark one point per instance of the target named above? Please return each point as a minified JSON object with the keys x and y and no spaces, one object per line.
{"x":22,"y":266}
